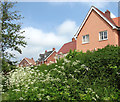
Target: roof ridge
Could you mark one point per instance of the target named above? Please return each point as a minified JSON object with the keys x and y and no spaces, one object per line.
{"x":67,"y":46}
{"x":70,"y":42}
{"x":106,"y":16}
{"x":101,"y":14}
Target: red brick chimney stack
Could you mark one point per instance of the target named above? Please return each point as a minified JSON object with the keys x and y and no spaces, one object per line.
{"x":107,"y":13}
{"x":73,"y":39}
{"x":53,"y":49}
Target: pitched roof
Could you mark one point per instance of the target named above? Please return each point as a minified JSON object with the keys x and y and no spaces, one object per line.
{"x":44,"y":56}
{"x":67,"y":47}
{"x":117,"y":21}
{"x":30,"y":61}
{"x":109,"y":20}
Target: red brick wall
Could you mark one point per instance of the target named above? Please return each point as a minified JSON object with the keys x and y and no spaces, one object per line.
{"x":51,"y":58}
{"x":93,"y":26}
{"x":23,"y":63}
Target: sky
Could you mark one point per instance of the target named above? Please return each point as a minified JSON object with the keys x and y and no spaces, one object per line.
{"x":49,"y":25}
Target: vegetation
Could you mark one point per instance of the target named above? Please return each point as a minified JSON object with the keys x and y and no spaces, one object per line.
{"x":79,"y":76}
{"x":10,"y":34}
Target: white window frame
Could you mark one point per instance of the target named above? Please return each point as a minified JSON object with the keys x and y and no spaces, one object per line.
{"x":86,"y":41}
{"x":103,"y":35}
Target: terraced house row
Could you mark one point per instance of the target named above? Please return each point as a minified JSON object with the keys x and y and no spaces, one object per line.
{"x":97,"y":30}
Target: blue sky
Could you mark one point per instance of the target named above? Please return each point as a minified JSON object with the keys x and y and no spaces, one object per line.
{"x":51,"y":24}
{"x":47,"y":15}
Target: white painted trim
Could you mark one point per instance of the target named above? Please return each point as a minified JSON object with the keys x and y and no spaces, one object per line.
{"x":25,"y":59}
{"x":103,"y":35}
{"x":49,"y":55}
{"x":93,"y":8}
{"x":85,"y":39}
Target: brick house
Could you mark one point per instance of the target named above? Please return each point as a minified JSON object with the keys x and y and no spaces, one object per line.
{"x":97,"y":31}
{"x":47,"y":57}
{"x":66,"y":48}
{"x":26,"y":62}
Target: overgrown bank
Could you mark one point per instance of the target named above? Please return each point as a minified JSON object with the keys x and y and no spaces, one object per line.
{"x":80,"y":76}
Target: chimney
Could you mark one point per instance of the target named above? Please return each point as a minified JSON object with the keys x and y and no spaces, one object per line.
{"x":53,"y":49}
{"x":32,"y":58}
{"x":73,"y":39}
{"x":107,"y":13}
{"x":45,"y":51}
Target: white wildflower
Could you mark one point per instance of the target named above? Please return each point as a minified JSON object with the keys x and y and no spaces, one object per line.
{"x":83,"y":66}
{"x":97,"y":96}
{"x":48,"y":97}
{"x":68,"y":86}
{"x":21,"y":98}
{"x":74,"y":63}
{"x":94,"y":98}
{"x":67,"y":61}
{"x":40,"y":98}
{"x":87,"y":68}
{"x":45,"y":70}
{"x":77,"y":61}
{"x":63,"y":63}
{"x":89,"y":89}
{"x":16,"y":90}
{"x":56,"y":65}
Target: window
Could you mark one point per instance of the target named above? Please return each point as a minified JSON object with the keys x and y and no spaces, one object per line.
{"x":103,"y":35}
{"x":85,"y":39}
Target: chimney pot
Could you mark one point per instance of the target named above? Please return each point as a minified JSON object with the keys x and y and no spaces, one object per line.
{"x":45,"y":51}
{"x":73,"y":39}
{"x":53,"y":49}
{"x":107,"y":13}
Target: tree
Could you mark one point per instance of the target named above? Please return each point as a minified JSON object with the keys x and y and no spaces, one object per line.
{"x":12,"y":37}
{"x":10,"y":30}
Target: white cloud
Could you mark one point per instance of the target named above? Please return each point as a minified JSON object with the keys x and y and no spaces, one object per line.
{"x":38,"y":41}
{"x":67,"y":28}
{"x":98,"y":4}
{"x":36,"y":37}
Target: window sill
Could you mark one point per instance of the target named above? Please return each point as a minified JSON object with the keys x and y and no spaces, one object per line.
{"x":103,"y":40}
{"x":85,"y":43}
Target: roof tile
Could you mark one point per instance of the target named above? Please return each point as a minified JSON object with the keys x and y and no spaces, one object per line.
{"x":108,"y":18}
{"x":117,"y":21}
{"x":30,"y":61}
{"x":67,"y":47}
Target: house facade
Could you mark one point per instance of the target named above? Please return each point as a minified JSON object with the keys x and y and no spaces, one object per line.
{"x":97,"y":31}
{"x":26,"y":62}
{"x":66,"y":48}
{"x":47,"y":58}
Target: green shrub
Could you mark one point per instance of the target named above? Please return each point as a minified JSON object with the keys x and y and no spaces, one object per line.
{"x":90,"y":76}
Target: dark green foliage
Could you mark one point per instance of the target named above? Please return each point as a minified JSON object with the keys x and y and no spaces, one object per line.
{"x":103,"y":69}
{"x":10,"y":31}
{"x":110,"y":55}
{"x":10,"y":35}
{"x":7,"y":65}
{"x":82,"y":77}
